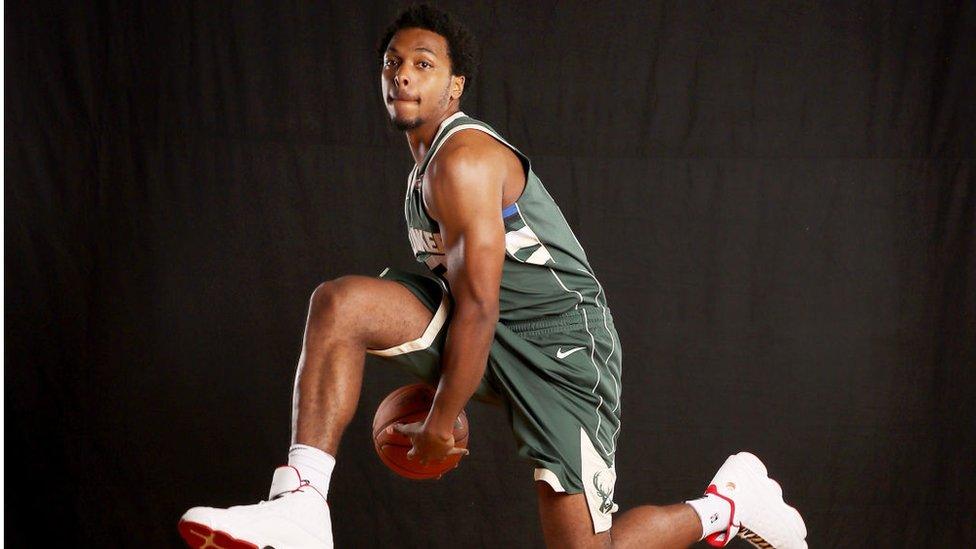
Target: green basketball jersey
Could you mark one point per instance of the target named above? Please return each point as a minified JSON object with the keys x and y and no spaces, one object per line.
{"x":545,"y":271}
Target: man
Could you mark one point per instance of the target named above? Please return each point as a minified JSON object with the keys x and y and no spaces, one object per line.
{"x":513,"y":315}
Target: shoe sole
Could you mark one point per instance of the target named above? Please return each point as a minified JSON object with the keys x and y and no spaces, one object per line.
{"x":199,"y":536}
{"x":758,"y":475}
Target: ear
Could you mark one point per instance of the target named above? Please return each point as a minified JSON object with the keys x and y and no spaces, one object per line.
{"x":457,"y":87}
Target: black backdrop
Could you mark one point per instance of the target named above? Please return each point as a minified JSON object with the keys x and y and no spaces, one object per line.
{"x":778,"y":196}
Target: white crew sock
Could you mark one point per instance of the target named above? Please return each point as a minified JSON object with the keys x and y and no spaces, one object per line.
{"x":313,"y":465}
{"x":714,"y":513}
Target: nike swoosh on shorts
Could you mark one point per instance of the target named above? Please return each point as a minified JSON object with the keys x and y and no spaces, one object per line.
{"x":560,"y":354}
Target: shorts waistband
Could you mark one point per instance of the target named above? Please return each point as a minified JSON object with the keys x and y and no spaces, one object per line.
{"x":567,"y":319}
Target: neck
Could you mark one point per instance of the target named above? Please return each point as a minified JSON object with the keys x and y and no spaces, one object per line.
{"x":421,"y":138}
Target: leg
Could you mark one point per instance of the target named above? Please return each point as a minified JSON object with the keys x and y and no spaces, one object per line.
{"x":345,"y":317}
{"x":652,"y":526}
{"x":566,"y":523}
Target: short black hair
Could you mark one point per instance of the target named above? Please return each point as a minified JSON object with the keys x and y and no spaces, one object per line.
{"x":461,"y":46}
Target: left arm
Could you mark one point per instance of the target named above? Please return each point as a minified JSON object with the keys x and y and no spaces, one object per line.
{"x":465,"y":186}
{"x":467,"y":201}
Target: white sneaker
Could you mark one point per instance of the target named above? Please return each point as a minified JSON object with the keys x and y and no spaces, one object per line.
{"x":759,"y":514}
{"x":296,"y":516}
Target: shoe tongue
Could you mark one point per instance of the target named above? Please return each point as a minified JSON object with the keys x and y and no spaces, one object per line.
{"x":286,"y":479}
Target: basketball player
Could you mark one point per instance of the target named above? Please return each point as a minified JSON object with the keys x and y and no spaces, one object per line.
{"x":512,"y":313}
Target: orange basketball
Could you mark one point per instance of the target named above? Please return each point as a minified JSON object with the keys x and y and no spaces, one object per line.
{"x":411,"y":404}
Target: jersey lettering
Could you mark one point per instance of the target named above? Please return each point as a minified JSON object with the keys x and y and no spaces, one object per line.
{"x":424,"y":242}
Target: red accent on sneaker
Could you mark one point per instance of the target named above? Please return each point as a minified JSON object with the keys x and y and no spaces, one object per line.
{"x":198,"y":536}
{"x":302,"y":483}
{"x":721,"y":539}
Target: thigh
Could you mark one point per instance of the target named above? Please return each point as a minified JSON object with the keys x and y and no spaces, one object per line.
{"x":419,"y":353}
{"x":381,"y":313}
{"x":566,"y":520}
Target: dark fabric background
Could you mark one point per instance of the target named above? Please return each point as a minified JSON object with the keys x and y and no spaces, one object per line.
{"x":779,"y":198}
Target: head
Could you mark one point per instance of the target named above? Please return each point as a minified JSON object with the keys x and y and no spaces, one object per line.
{"x":428,"y":59}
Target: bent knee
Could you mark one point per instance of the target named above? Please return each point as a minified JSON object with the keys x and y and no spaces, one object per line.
{"x":333,"y":296}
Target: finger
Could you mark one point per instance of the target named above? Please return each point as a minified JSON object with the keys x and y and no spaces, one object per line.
{"x":458,"y":451}
{"x":412,"y":453}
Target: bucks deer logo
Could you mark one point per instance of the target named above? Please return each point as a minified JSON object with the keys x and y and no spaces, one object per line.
{"x":604,"y":489}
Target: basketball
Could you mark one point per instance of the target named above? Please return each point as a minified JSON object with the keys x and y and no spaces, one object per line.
{"x":411,"y":404}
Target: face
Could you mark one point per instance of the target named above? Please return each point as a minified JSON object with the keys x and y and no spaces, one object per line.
{"x":416,"y":80}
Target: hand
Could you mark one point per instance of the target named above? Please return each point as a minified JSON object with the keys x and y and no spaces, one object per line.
{"x":427,"y":445}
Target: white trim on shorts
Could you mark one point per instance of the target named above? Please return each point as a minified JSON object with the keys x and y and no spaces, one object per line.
{"x":548,"y":476}
{"x":424,"y":341}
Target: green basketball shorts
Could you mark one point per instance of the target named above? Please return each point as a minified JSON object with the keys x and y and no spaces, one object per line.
{"x":557,"y":377}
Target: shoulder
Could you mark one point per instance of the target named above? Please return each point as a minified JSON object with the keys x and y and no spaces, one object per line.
{"x":468,"y":154}
{"x":465,"y":178}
